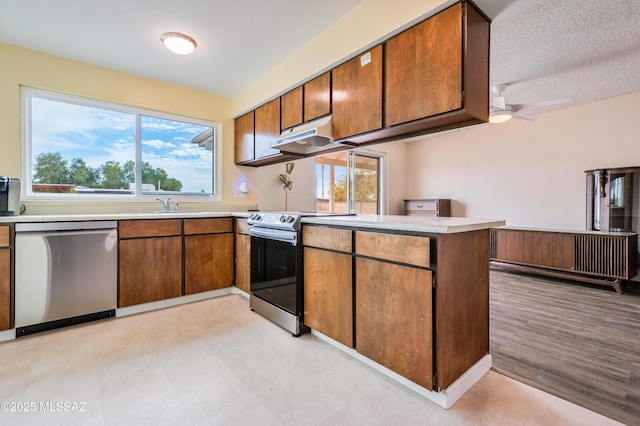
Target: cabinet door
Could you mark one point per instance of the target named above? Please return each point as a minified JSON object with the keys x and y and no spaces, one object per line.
{"x":328,"y":294}
{"x":394,"y":318}
{"x":5,"y":288}
{"x":267,"y":128}
{"x":243,"y":262}
{"x":357,"y":95}
{"x":208,"y":262}
{"x":291,"y":108}
{"x":317,"y":97}
{"x":150,"y":269}
{"x":423,"y":69}
{"x":244,"y":138}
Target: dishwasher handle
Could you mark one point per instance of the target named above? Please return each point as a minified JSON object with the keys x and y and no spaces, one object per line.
{"x":65,"y":226}
{"x":65,"y":233}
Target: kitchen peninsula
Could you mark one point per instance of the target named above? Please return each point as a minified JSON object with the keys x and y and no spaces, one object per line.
{"x":407,"y":295}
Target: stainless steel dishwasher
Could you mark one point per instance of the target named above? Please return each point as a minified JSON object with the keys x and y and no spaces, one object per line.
{"x":65,"y":273}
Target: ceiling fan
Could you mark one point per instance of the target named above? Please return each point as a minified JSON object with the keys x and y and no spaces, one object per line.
{"x":500,"y":111}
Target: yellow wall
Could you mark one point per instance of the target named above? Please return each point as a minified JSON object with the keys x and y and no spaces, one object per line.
{"x":25,"y":67}
{"x":364,"y":26}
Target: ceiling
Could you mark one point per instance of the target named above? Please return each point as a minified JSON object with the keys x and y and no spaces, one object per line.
{"x":543,"y":49}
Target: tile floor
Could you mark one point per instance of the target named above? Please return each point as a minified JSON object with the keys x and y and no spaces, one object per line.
{"x":215,"y":362}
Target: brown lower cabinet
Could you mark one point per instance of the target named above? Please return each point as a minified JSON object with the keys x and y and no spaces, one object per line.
{"x":328,"y":295}
{"x":393,"y":318}
{"x":157,"y":256}
{"x":208,"y":254}
{"x":208,"y":262}
{"x":328,"y":282}
{"x":419,"y":304}
{"x":5,"y":278}
{"x":150,"y":269}
{"x":243,"y":255}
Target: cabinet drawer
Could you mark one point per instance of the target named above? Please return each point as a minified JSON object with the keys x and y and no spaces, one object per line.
{"x":242,"y":227}
{"x":327,"y":238}
{"x":208,"y":226}
{"x":4,"y":236}
{"x":149,"y":228}
{"x":408,"y":249}
{"x":422,"y":206}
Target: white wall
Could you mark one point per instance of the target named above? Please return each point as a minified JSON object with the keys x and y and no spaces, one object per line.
{"x":271,"y":197}
{"x":528,"y":173}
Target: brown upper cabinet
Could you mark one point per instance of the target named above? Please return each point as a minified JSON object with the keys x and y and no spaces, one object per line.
{"x":437,"y":74}
{"x":267,"y":128}
{"x":423,"y":71}
{"x":307,"y":102}
{"x":244,"y":137}
{"x":436,"y":77}
{"x":317,"y":97}
{"x":254,"y":132}
{"x":357,"y":95}
{"x":291,"y":108}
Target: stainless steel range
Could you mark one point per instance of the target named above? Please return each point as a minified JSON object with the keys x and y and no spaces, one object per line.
{"x":277,"y":269}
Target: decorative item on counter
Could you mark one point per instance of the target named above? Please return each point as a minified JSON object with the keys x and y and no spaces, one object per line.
{"x":287,"y":183}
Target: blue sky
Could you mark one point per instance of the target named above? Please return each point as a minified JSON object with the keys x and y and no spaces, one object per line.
{"x":98,"y":135}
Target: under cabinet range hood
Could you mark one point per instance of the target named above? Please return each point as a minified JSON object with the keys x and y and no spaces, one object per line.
{"x":307,"y":138}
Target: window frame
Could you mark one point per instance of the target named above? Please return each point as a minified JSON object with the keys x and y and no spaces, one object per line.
{"x":27,"y":93}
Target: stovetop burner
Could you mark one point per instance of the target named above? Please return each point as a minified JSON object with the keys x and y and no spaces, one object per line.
{"x":289,"y":221}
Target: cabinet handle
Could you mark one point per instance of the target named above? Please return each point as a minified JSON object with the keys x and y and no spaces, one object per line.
{"x":419,"y":206}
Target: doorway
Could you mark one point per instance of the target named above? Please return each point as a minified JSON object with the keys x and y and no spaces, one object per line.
{"x":349,"y":182}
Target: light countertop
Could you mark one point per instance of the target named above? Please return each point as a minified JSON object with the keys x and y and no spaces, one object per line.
{"x":115,"y":216}
{"x":439,"y":225}
{"x":391,"y":222}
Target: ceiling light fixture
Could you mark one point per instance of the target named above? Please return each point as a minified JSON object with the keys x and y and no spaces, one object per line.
{"x":178,"y":43}
{"x":500,"y":116}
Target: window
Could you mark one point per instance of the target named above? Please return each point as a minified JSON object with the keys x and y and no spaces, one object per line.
{"x":349,"y":182}
{"x":80,"y":148}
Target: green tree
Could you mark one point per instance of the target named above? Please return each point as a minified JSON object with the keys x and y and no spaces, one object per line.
{"x":112,"y":175}
{"x":159,"y":179}
{"x":82,"y":175}
{"x":51,"y":168}
{"x":129,"y":173}
{"x":366,"y":187}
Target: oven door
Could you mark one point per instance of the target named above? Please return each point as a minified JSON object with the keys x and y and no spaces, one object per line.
{"x":275,"y":267}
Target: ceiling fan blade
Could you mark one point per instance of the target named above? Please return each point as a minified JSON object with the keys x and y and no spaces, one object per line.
{"x":523,"y":116}
{"x":542,"y":104}
{"x":498,"y":102}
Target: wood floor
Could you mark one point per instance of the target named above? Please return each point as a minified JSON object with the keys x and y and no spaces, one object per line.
{"x":575,"y":341}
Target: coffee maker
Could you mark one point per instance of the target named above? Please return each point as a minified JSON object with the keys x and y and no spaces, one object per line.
{"x":9,"y":196}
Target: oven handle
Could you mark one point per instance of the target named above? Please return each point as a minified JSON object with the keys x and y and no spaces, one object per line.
{"x":274,"y":234}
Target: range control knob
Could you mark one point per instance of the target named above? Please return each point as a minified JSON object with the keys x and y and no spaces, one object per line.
{"x":291,"y":219}
{"x":283,"y":218}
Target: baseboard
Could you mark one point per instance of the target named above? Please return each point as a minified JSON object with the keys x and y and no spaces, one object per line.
{"x":176,"y":301}
{"x":7,"y":335}
{"x":446,"y":398}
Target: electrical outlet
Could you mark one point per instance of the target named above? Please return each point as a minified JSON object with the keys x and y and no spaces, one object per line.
{"x":239,"y":194}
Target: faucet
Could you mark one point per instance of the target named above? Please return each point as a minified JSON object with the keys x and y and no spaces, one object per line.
{"x":165,"y":204}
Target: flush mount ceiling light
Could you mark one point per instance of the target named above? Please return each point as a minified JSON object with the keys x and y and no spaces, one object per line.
{"x":178,"y":43}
